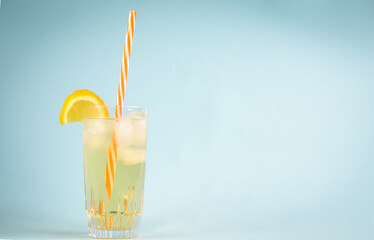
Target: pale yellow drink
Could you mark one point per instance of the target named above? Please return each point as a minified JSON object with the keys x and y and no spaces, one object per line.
{"x":120,"y":215}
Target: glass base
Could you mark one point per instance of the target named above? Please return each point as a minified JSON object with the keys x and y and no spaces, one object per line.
{"x":110,"y":234}
{"x":97,"y":233}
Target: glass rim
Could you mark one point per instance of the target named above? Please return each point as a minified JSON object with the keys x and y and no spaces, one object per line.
{"x":123,"y":107}
{"x":113,"y":107}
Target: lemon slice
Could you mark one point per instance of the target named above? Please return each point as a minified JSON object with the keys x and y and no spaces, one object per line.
{"x":75,"y":107}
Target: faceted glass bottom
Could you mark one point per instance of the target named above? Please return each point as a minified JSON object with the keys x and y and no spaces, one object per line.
{"x":111,"y":234}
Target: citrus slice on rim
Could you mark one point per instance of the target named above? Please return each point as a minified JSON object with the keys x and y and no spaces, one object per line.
{"x":77,"y":107}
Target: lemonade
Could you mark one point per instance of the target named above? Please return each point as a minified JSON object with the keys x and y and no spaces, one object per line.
{"x":122,"y":211}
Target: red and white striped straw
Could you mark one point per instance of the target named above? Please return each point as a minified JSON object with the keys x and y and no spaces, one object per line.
{"x":112,"y":157}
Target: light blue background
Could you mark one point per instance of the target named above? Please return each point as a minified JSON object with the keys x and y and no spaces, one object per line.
{"x":261,"y":115}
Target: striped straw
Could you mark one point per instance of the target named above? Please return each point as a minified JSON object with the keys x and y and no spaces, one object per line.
{"x":112,"y":156}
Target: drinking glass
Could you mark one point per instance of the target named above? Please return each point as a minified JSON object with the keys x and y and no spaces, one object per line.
{"x":114,"y":152}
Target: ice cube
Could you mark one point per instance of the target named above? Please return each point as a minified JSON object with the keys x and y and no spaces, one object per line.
{"x":140,"y":126}
{"x":96,"y":132}
{"x":124,"y":132}
{"x":132,"y":156}
{"x":136,"y":115}
{"x":94,"y":126}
